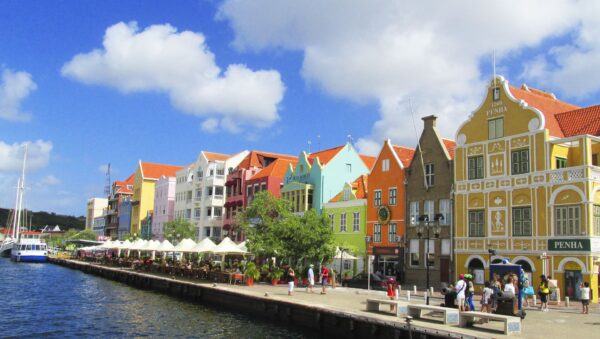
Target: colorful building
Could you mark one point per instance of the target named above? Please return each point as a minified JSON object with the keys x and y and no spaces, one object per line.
{"x":348,"y":214}
{"x":238,"y":191}
{"x":124,"y":216}
{"x":143,"y":190}
{"x":96,"y":207}
{"x":120,"y":190}
{"x":318,"y":177}
{"x":527,"y":186}
{"x":164,"y":206}
{"x":429,"y":184}
{"x":386,"y":209}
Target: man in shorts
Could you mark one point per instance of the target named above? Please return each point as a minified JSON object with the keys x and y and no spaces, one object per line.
{"x":460,"y":288}
{"x":324,"y":278}
{"x":311,"y":278}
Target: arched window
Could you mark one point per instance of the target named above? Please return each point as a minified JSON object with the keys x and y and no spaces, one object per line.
{"x":476,"y":268}
{"x":497,"y":261}
{"x":475,"y":264}
{"x":525,"y":265}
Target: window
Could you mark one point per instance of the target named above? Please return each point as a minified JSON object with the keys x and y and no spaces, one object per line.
{"x":332,"y":219}
{"x":263,"y":186}
{"x":520,"y":161}
{"x":211,"y":172}
{"x":392,"y":232}
{"x":594,"y":159}
{"x":377,"y":233}
{"x":496,"y":128}
{"x":349,"y":168}
{"x":428,"y":209}
{"x":378,"y":198}
{"x":197,"y":212}
{"x":446,"y":211}
{"x":220,"y":171}
{"x":561,"y":163}
{"x":209,"y":191}
{"x":393,"y":196}
{"x":343,"y":222}
{"x":216,"y":232}
{"x":496,"y":95}
{"x":414,"y":213}
{"x":218,"y":211}
{"x":446,"y":243}
{"x":385,"y":165}
{"x":476,"y":223}
{"x":430,"y":251}
{"x":429,"y":175}
{"x":596,"y":229}
{"x":209,"y":212}
{"x":521,"y":220}
{"x":414,"y":252}
{"x":346,"y":194}
{"x":476,"y":167}
{"x":567,"y":220}
{"x":356,"y":222}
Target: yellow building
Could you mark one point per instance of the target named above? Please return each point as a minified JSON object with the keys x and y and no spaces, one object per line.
{"x":143,"y":190}
{"x":527,"y":186}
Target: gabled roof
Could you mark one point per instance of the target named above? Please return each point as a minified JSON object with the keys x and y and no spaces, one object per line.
{"x":122,"y":185}
{"x":325,"y":155}
{"x":450,"y":146}
{"x":580,"y":121}
{"x":405,"y":154}
{"x":368,"y":160}
{"x":211,"y":156}
{"x":545,"y":103}
{"x":359,"y":187}
{"x":257,"y":159}
{"x":275,"y":169}
{"x":154,"y":171}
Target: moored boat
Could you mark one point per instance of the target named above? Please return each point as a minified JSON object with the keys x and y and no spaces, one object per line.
{"x":29,"y":248}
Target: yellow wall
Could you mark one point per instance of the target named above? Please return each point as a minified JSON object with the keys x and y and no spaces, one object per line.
{"x":143,"y":192}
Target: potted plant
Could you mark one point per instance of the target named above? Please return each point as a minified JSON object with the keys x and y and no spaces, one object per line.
{"x":275,"y":275}
{"x":252,"y":273}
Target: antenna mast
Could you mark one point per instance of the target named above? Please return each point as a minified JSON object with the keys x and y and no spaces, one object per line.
{"x":107,"y":185}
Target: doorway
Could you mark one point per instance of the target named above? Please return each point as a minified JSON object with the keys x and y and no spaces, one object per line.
{"x":445,"y":270}
{"x":573,"y":280}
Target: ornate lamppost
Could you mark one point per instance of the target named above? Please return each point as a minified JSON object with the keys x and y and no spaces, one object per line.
{"x":424,"y":228}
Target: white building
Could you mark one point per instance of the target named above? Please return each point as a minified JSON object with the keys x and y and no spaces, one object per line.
{"x":99,"y":224}
{"x":95,"y":208}
{"x":164,"y":205}
{"x":200,"y":192}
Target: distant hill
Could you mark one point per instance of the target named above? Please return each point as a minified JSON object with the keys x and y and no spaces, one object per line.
{"x":41,"y":219}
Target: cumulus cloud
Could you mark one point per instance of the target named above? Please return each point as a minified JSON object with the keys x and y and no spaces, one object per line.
{"x":390,"y":51}
{"x":14,"y":88}
{"x":180,"y":64}
{"x":49,"y":180}
{"x":11,"y":155}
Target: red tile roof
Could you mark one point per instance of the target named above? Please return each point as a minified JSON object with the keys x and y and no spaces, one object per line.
{"x":450,"y":146}
{"x":256,"y":158}
{"x":546,"y":103}
{"x":122,"y":184}
{"x":359,"y":187}
{"x":275,"y":169}
{"x":368,"y":160}
{"x":154,"y":171}
{"x":325,"y":155}
{"x":216,"y":156}
{"x":580,"y":121}
{"x":405,"y":154}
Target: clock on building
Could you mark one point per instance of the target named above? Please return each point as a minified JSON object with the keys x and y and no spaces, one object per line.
{"x":383,"y":214}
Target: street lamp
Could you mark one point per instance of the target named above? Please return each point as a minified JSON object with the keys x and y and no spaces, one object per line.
{"x":426,"y":225}
{"x":367,"y":261}
{"x":491,"y":252}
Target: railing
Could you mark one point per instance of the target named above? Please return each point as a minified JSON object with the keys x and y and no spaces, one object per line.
{"x":567,"y":174}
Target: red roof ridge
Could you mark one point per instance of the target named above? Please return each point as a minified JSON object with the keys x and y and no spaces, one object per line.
{"x":580,"y":121}
{"x":275,"y":169}
{"x":212,"y":156}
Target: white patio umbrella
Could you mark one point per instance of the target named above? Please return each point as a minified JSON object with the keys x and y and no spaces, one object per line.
{"x":227,"y":246}
{"x":242,"y":246}
{"x":123,"y":246}
{"x":186,"y":245}
{"x":346,"y":255}
{"x":205,"y":245}
{"x":151,"y":246}
{"x":165,"y":246}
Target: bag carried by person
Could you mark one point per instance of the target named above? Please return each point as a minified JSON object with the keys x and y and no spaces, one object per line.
{"x":528,"y":290}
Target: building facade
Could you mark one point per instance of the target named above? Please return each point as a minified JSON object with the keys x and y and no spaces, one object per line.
{"x":164,"y":206}
{"x":120,"y":190}
{"x":528,"y":187}
{"x":96,"y":207}
{"x":124,"y":216}
{"x":429,"y":184}
{"x":386,"y":209}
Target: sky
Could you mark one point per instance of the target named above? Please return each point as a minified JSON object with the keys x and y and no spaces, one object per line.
{"x":88,"y":83}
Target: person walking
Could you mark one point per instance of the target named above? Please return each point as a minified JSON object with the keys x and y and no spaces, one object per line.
{"x":585,"y":297}
{"x":391,"y":293}
{"x":290,"y":277}
{"x":324,"y":278}
{"x":311,"y":279}
{"x":543,"y":291}
{"x":460,"y":288}
{"x":470,"y":292}
{"x":486,"y":299}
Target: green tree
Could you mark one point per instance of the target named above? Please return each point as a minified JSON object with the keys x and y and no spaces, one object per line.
{"x":130,"y":237}
{"x":179,"y":229}
{"x":86,"y":235}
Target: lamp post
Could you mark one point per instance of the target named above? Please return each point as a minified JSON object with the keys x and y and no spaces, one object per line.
{"x":427,"y":225}
{"x":491,"y":252}
{"x":367,"y":261}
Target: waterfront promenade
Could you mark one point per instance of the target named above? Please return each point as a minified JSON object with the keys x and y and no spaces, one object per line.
{"x":560,"y":321}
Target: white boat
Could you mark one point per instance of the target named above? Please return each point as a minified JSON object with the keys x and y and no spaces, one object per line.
{"x":29,"y":248}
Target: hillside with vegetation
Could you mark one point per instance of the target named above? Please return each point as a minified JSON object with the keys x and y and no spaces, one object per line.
{"x":42,"y":218}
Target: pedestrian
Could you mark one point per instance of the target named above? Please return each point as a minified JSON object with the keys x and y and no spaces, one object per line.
{"x":521,"y":287}
{"x":290,"y":276}
{"x":391,"y":292}
{"x":543,"y":291}
{"x":486,"y":298}
{"x":324,"y":278}
{"x":585,"y":297}
{"x":470,"y":292}
{"x":311,"y":278}
{"x":449,"y":296}
{"x":460,"y":288}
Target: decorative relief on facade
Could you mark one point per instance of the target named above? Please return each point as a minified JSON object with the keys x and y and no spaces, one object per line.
{"x":595,"y":175}
{"x":497,"y":164}
{"x":475,"y":186}
{"x":497,"y":221}
{"x":533,"y":125}
{"x":496,"y":147}
{"x":521,"y":245}
{"x":476,"y":244}
{"x":542,"y":245}
{"x":504,"y":183}
{"x":475,"y":150}
{"x":519,"y":142}
{"x":557,"y":177}
{"x":461,"y":139}
{"x":575,"y":174}
{"x":498,"y":201}
{"x":490,"y":184}
{"x":459,"y":244}
{"x":521,"y":181}
{"x":497,"y":244}
{"x":538,"y":178}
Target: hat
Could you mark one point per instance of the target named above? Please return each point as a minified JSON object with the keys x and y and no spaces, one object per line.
{"x":391,"y":280}
{"x":461,"y":276}
{"x":543,"y":276}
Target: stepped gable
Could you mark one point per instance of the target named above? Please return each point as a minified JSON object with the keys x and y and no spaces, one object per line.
{"x":546,"y":103}
{"x":275,"y":169}
{"x":580,"y":121}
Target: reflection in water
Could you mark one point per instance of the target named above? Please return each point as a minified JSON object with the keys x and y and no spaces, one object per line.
{"x":53,"y":301}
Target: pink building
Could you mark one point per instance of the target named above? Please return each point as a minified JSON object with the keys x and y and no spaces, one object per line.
{"x":164,"y":205}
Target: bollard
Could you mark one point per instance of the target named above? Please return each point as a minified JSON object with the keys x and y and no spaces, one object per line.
{"x":397,"y":293}
{"x":407,"y":295}
{"x":534,"y":300}
{"x":566,"y":301}
{"x":400,"y":288}
{"x":431,"y":290}
{"x":415,"y":289}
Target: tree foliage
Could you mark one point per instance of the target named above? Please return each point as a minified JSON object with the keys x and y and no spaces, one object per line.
{"x":273,"y":230}
{"x":179,"y":229}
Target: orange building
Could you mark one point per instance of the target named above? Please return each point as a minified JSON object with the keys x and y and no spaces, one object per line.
{"x":386,"y":209}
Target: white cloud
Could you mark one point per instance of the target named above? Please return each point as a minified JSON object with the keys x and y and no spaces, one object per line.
{"x":49,"y":180}
{"x":210,"y":125}
{"x":390,"y":51}
{"x":14,"y":88}
{"x":181,"y":65}
{"x":11,"y":155}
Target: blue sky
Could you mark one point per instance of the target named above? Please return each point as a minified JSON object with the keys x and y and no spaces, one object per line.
{"x":170,"y":79}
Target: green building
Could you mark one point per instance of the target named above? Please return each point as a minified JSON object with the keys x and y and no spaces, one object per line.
{"x":348,"y":214}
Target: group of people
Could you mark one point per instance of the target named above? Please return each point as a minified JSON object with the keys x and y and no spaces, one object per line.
{"x":323,"y":278}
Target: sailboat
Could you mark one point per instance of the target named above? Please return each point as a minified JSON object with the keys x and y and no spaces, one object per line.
{"x":6,"y":244}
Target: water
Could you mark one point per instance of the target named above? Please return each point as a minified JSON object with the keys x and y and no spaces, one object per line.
{"x":46,"y":300}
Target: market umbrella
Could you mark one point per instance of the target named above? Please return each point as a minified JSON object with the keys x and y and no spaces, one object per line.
{"x":165,"y":246}
{"x":227,"y":246}
{"x":186,"y":245}
{"x":205,"y":245}
{"x":242,"y":246}
{"x":346,"y":255}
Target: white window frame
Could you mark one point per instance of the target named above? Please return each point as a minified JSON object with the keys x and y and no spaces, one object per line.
{"x":377,"y":233}
{"x":356,"y":222}
{"x":446,"y":210}
{"x":393,"y":198}
{"x":430,"y":174}
{"x":414,"y":213}
{"x":392,"y":232}
{"x":343,"y":227}
{"x":414,"y":253}
{"x":429,"y":209}
{"x":566,"y":222}
{"x":377,"y":198}
{"x":385,"y":165}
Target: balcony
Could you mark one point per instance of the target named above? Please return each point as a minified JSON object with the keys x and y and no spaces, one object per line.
{"x":576,"y":173}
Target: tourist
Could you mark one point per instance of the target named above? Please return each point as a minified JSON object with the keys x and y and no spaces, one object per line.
{"x":486,"y":298}
{"x":543,"y":291}
{"x":311,"y":279}
{"x":509,"y":285}
{"x":449,"y":296}
{"x":290,"y":277}
{"x":470,"y":292}
{"x":391,"y":292}
{"x":521,"y":287}
{"x":460,"y":287}
{"x":324,"y":278}
{"x":585,"y":297}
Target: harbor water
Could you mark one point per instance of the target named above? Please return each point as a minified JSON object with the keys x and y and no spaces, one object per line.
{"x":45,"y":300}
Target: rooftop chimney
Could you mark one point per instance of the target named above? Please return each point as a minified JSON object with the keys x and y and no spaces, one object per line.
{"x":429,"y":121}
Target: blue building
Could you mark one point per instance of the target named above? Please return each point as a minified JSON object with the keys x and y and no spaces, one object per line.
{"x":124,"y":217}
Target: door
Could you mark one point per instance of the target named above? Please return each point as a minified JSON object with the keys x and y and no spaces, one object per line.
{"x":445,"y":270}
{"x":573,"y":280}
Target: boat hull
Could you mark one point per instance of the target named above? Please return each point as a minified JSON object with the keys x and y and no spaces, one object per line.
{"x":30,"y":258}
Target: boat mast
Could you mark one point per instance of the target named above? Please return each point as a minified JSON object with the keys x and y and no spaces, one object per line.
{"x":20,"y":194}
{"x":14,"y":215}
